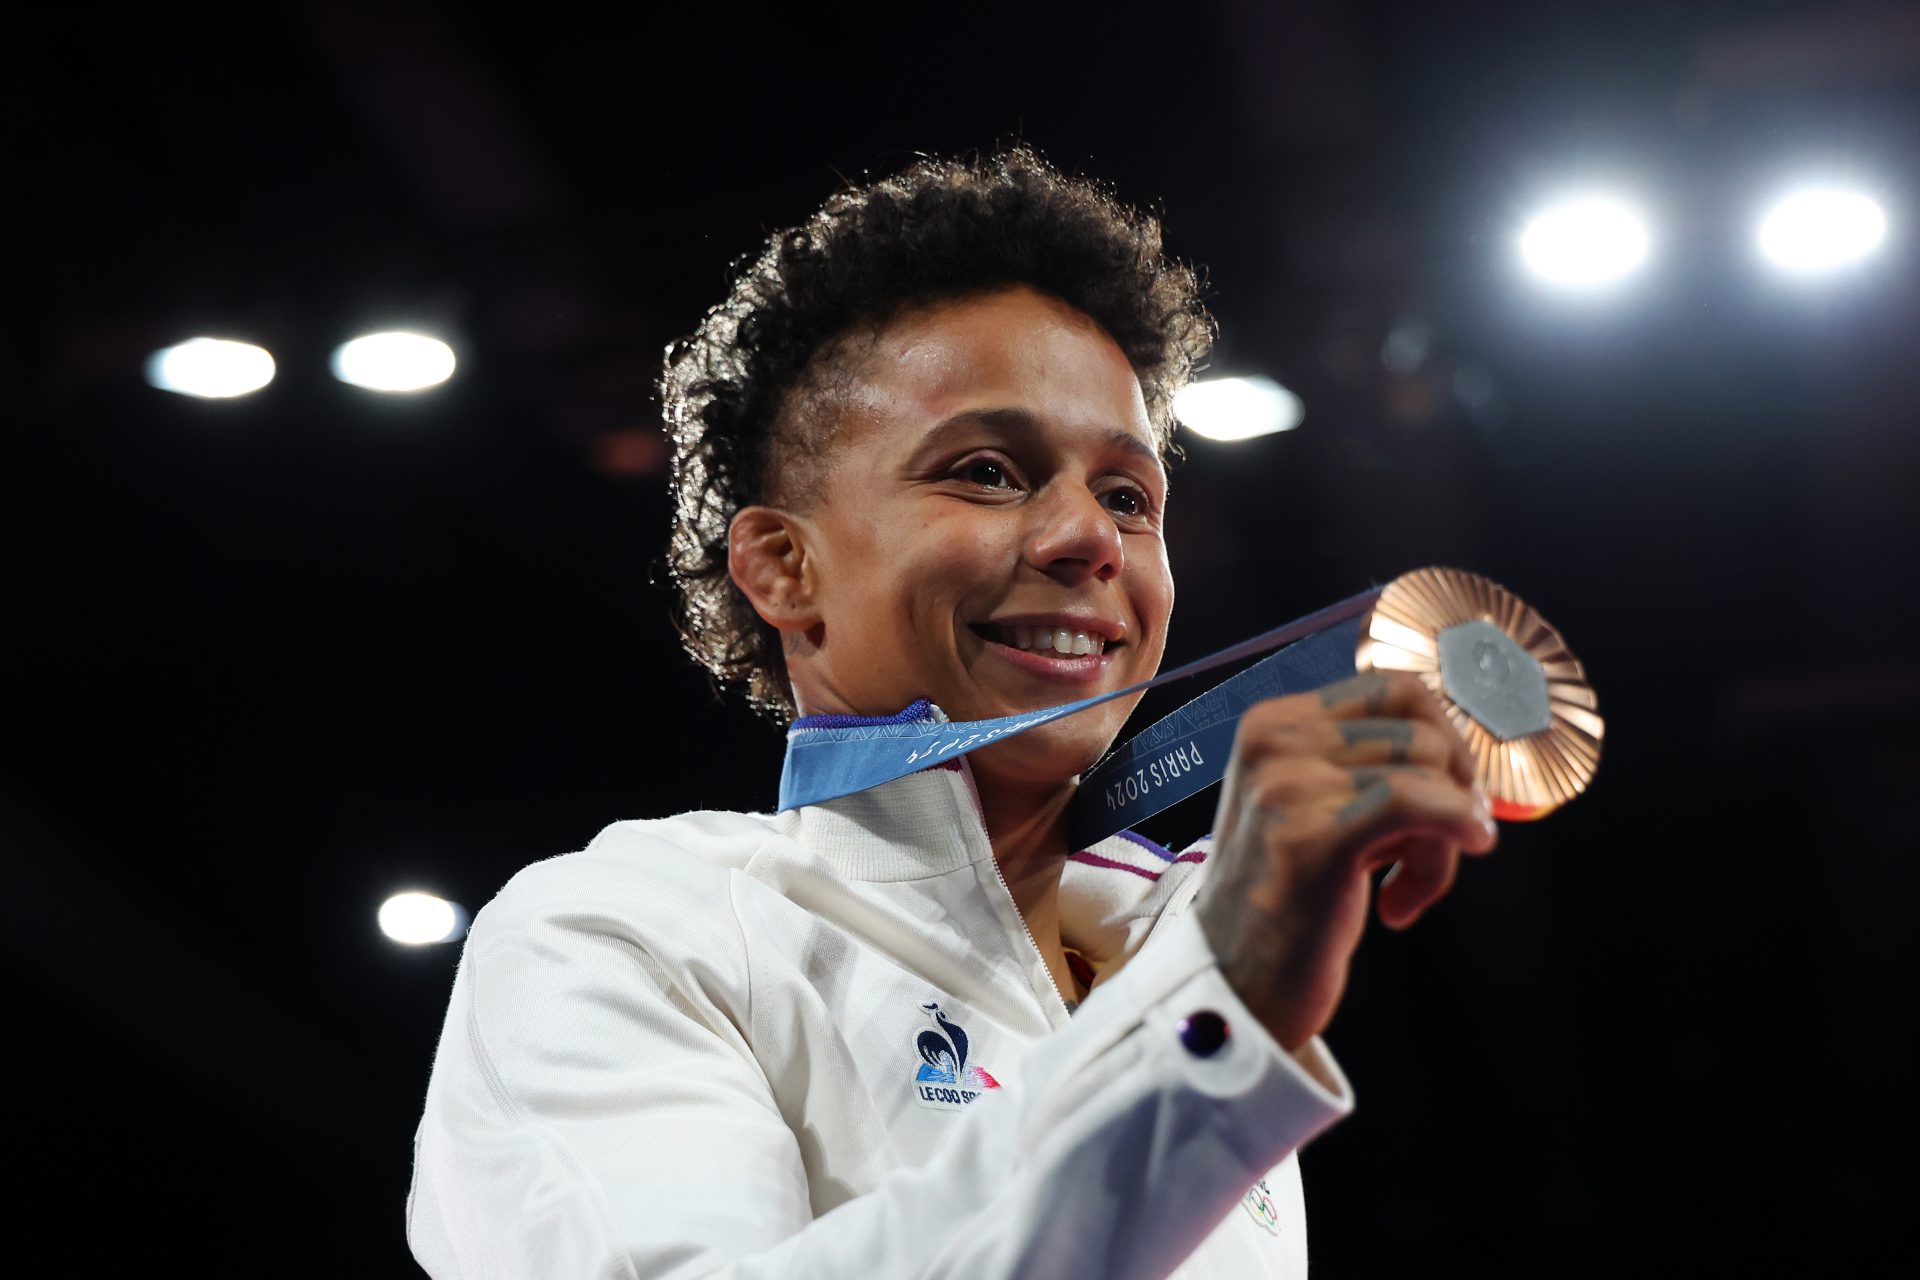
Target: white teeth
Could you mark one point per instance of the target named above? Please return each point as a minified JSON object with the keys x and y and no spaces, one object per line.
{"x":1055,"y":640}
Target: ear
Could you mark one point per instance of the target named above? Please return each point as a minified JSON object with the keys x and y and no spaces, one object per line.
{"x":767,"y":559}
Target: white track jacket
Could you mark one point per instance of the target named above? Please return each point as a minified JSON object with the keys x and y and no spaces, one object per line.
{"x":822,"y":1045}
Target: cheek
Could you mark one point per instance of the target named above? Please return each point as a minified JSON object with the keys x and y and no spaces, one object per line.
{"x":959,"y":555}
{"x":1154,"y":595}
{"x":917,"y":574}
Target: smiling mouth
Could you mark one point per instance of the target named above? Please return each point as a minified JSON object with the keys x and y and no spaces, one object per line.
{"x":1050,"y":641}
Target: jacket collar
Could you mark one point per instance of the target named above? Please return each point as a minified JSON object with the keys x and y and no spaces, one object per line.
{"x":929,"y":823}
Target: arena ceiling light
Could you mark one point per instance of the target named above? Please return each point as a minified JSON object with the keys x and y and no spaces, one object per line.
{"x":1232,"y":409}
{"x":1817,"y":229}
{"x":210,"y":368}
{"x":1586,"y":242}
{"x":421,"y":919}
{"x":394,"y":362}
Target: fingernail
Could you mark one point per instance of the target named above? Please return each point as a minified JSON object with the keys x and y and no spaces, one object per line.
{"x":1482,"y":808}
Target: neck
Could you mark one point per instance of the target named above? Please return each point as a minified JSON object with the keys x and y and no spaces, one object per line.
{"x":1027,"y":825}
{"x":1026,"y":821}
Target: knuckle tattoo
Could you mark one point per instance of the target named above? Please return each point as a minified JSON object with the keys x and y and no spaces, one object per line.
{"x":1397,"y":735}
{"x":1370,"y":687}
{"x":1371,"y":800}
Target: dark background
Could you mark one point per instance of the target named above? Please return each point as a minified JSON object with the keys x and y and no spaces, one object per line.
{"x":269,"y":660}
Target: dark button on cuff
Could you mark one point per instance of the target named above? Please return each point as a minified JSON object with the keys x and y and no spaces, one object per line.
{"x":1203,"y":1033}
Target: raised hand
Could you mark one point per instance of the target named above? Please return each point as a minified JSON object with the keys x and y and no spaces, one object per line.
{"x":1323,"y":789}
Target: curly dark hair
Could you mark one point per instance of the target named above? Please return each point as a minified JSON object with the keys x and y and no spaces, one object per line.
{"x":939,"y":230}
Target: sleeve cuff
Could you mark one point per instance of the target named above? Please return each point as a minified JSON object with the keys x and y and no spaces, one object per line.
{"x":1194,"y":983}
{"x":1279,"y":1100}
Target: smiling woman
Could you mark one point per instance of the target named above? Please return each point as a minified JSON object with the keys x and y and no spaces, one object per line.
{"x":993,"y":467}
{"x":918,"y":471}
{"x":765,"y":390}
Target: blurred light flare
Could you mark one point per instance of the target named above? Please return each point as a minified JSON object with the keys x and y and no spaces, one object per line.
{"x":1408,"y":343}
{"x":211,"y":368}
{"x":1232,"y":409}
{"x":396,"y":361}
{"x":1817,"y":229}
{"x":421,"y":919}
{"x":1586,"y":241}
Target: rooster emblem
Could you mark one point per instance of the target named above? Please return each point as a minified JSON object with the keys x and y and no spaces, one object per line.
{"x":943,"y":1054}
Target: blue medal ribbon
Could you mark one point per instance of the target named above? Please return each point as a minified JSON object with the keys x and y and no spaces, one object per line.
{"x":1169,"y":760}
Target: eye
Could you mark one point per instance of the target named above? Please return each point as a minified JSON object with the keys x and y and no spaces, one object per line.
{"x":988,"y":473}
{"x":1126,"y":500}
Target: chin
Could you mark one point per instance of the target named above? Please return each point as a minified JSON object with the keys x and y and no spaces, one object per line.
{"x":1053,"y":753}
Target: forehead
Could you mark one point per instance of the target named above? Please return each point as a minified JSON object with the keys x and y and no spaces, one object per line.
{"x":1012,"y":348}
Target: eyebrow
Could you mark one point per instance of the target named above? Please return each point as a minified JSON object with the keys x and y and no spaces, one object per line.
{"x":1020,"y":422}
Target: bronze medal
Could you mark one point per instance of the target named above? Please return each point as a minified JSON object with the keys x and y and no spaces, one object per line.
{"x":1510,"y":685}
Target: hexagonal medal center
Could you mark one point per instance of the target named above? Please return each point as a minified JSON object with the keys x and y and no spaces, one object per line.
{"x":1494,"y":680}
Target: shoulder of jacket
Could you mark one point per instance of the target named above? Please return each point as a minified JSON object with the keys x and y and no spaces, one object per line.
{"x":720,"y":839}
{"x":653,"y":881}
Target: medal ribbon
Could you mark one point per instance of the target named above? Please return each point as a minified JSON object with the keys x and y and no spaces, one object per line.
{"x":1171,"y":759}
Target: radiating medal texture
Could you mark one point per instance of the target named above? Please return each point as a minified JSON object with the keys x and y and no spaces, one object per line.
{"x":1509,"y":684}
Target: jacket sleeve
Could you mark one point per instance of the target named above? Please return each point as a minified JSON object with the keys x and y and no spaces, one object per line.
{"x":591,"y":1115}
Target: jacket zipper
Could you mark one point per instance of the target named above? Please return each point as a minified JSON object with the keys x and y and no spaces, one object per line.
{"x":980,"y":815}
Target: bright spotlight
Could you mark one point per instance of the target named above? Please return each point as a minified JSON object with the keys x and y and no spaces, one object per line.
{"x":419,"y":919}
{"x":1237,"y":408}
{"x":1592,"y":240}
{"x":210,"y":368}
{"x":1819,"y":228}
{"x":394,"y":362}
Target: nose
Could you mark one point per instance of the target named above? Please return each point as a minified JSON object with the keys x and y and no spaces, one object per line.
{"x":1075,"y":538}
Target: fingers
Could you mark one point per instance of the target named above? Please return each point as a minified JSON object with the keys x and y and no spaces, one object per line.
{"x":1364,"y":742}
{"x":1341,"y":782}
{"x":1380,"y":693}
{"x":1358,"y":814}
{"x":1390,"y":806}
{"x":1419,"y":879}
{"x":1374,"y":718}
{"x":1323,"y":789}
